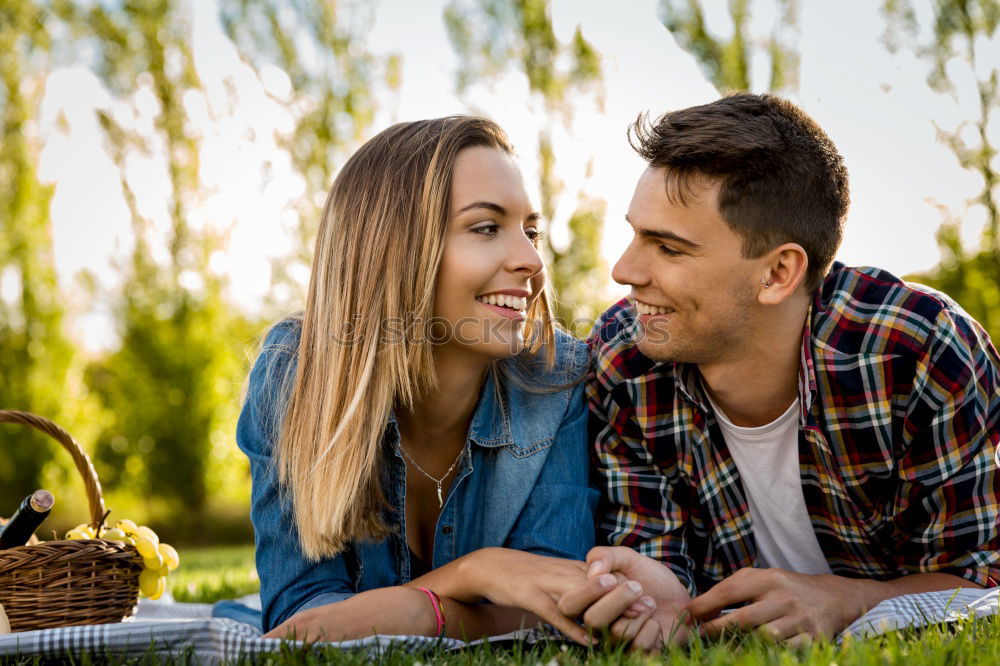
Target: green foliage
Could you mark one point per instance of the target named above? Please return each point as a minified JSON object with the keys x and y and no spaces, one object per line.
{"x":320,"y":46}
{"x":972,"y":277}
{"x":726,"y":61}
{"x":492,"y":35}
{"x":169,"y":388}
{"x":35,"y":357}
{"x":162,"y":406}
{"x":173,"y":386}
{"x":580,"y":270}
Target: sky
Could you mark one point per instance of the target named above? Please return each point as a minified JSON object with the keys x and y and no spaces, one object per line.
{"x":875,"y":105}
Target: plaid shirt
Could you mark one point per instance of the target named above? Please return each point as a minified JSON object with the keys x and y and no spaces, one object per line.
{"x":899,"y":391}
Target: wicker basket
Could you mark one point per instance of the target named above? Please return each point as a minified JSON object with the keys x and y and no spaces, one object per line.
{"x":63,"y":583}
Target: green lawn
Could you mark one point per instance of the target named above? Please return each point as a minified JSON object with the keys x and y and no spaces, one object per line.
{"x":207,"y":575}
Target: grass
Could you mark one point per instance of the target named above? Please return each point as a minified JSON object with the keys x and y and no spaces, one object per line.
{"x":210,"y":574}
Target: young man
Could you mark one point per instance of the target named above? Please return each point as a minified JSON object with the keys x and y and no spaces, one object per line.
{"x":792,"y":438}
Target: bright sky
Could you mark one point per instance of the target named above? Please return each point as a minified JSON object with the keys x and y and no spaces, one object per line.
{"x":876,"y":107}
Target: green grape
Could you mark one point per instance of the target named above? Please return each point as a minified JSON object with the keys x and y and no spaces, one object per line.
{"x":84,"y":529}
{"x":145,"y":546}
{"x":114,"y":534}
{"x":76,"y":534}
{"x":127,"y":526}
{"x":142,"y":530}
{"x":161,"y":587}
{"x":150,"y":583}
{"x":170,"y":556}
{"x":154,"y":562}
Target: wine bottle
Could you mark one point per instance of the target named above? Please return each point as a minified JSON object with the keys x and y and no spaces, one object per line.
{"x":29,"y":516}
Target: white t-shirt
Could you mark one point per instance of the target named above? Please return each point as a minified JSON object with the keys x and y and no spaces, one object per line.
{"x":768,"y":461}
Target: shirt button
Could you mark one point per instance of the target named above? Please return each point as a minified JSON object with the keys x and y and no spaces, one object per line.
{"x":446,"y":529}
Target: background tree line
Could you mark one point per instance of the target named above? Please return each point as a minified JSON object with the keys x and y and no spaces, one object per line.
{"x":158,"y":411}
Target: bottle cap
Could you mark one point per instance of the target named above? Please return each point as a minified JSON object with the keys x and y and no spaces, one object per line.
{"x":42,"y":500}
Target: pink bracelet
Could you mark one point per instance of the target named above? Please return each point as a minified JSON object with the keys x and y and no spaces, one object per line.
{"x":438,"y":609}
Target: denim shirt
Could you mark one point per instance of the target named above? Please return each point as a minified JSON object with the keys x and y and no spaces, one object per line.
{"x":522,"y":483}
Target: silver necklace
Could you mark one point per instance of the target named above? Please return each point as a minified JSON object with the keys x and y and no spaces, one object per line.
{"x":420,"y":469}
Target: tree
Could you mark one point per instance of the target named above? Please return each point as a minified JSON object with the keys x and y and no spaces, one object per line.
{"x":170,"y":386}
{"x":492,"y":35}
{"x":35,"y":356}
{"x":332,"y":76}
{"x":726,"y":61}
{"x":972,"y":277}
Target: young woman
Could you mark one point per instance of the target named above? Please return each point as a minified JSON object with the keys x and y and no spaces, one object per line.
{"x":417,"y":435}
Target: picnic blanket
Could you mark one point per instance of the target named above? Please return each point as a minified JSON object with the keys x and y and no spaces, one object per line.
{"x":926,"y":608}
{"x":176,"y":629}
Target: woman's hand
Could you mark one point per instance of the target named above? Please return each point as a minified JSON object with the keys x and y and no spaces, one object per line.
{"x":659,"y":617}
{"x":387,"y":611}
{"x":533,"y":583}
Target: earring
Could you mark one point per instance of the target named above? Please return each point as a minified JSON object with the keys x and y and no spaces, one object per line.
{"x":766,"y":284}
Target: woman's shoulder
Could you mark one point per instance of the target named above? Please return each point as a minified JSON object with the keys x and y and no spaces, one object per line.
{"x":541,"y":386}
{"x":571,"y":359}
{"x":283,"y":336}
{"x":572,"y":354}
{"x":267,"y":388}
{"x":276,"y":360}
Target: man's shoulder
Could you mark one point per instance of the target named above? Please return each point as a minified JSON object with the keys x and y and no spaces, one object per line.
{"x":867,"y":310}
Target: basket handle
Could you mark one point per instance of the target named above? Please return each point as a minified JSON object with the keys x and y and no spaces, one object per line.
{"x":80,"y":457}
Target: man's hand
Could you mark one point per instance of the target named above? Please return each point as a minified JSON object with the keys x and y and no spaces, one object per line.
{"x":647,"y":618}
{"x":534,"y":583}
{"x":784,"y":605}
{"x":387,"y":610}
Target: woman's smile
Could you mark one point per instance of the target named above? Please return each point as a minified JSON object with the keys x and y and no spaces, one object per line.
{"x":505,"y":311}
{"x":509,"y":303}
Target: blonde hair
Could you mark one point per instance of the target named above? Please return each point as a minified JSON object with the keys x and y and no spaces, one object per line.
{"x":380,"y":242}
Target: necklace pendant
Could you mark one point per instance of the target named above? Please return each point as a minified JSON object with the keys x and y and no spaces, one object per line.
{"x":440,"y":500}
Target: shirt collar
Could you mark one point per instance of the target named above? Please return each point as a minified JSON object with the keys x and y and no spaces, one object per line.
{"x":490,"y":426}
{"x":688,"y":380}
{"x":490,"y":422}
{"x":807,"y":366}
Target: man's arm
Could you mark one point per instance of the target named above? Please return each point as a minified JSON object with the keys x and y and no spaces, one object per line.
{"x":944,"y":511}
{"x":639,"y":507}
{"x":797,"y":607}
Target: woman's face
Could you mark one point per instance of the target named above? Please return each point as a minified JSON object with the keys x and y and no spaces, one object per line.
{"x":491,"y":270}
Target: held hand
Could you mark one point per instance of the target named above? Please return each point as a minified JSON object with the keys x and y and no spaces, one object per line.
{"x":784,"y":605}
{"x":534,"y":583}
{"x":388,"y":610}
{"x":660,"y":591}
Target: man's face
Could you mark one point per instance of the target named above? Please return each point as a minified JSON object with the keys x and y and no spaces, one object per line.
{"x":693,"y":291}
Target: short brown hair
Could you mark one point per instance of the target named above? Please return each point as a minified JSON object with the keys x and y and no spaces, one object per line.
{"x":782,"y":179}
